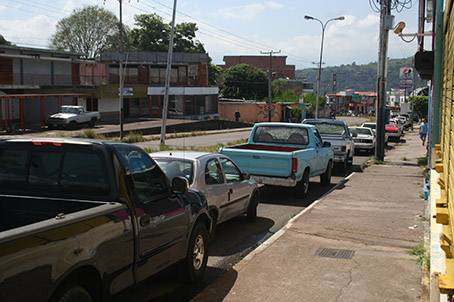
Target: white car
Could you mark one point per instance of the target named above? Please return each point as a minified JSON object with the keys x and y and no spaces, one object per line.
{"x":364,"y":140}
{"x":373,"y":127}
{"x":229,"y":191}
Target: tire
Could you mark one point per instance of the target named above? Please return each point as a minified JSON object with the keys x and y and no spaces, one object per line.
{"x":72,"y":293}
{"x":325,"y":178}
{"x":302,"y":187}
{"x":92,"y":123}
{"x":350,"y":160}
{"x":50,"y":126}
{"x":194,"y":265}
{"x":72,"y":125}
{"x":252,"y":208}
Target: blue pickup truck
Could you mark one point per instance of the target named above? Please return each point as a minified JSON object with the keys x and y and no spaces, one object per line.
{"x":284,"y":154}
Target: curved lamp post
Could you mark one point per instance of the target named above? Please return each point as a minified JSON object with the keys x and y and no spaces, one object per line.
{"x":321,"y":55}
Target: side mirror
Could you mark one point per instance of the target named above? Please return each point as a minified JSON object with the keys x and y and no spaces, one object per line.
{"x":245,"y":176}
{"x":180,"y":185}
{"x":326,"y":144}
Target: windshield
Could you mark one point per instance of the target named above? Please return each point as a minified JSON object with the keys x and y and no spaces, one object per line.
{"x":176,"y":167}
{"x":360,"y":131}
{"x":281,"y":135}
{"x":69,"y":110}
{"x":331,"y":129}
{"x":372,"y":126}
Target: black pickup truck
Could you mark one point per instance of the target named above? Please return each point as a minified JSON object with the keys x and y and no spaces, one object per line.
{"x":81,"y":220}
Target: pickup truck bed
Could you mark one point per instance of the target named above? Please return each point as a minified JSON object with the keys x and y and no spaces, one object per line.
{"x":19,"y":211}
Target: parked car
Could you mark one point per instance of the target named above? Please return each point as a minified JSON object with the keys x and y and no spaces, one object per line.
{"x":364,"y":140}
{"x":72,"y":116}
{"x":82,"y":220}
{"x":393,"y":132}
{"x":399,"y":125}
{"x":337,"y":134}
{"x":373,"y":127}
{"x":401,"y":131}
{"x":284,"y":154}
{"x":229,"y":191}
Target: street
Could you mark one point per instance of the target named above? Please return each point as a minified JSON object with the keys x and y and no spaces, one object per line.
{"x":237,"y":237}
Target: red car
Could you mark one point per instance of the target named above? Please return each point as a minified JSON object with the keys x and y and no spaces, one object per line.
{"x":393,"y":132}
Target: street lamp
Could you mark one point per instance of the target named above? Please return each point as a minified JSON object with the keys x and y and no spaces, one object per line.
{"x":321,"y":55}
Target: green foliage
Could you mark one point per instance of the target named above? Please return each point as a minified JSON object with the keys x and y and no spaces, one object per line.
{"x":282,"y":93}
{"x":423,"y":256}
{"x":244,"y":81}
{"x":89,"y":133}
{"x":88,"y":30}
{"x":133,"y":137}
{"x":358,"y":77}
{"x":422,"y":161}
{"x":152,"y":34}
{"x":213,"y":74}
{"x":311,"y":98}
{"x":421,"y":105}
{"x":3,"y":41}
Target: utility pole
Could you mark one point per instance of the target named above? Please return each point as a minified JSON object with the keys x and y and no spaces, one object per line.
{"x":385,"y":26}
{"x":120,"y":34}
{"x":167,"y":84}
{"x":270,"y":76}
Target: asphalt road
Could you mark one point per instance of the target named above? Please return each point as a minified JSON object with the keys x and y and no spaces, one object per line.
{"x":235,"y":239}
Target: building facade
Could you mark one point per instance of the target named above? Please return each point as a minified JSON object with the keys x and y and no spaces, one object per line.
{"x":34,"y":83}
{"x":351,"y":101}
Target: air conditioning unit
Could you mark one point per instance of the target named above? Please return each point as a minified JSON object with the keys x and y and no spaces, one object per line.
{"x":424,"y":64}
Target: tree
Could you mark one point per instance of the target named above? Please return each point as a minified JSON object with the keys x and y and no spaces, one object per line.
{"x":153,"y":34}
{"x":88,"y":30}
{"x":421,"y":105}
{"x":3,"y":41}
{"x":311,"y":98}
{"x":244,"y":81}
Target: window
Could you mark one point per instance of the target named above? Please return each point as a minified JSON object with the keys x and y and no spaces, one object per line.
{"x":149,"y":181}
{"x":13,"y":167}
{"x":77,"y":173}
{"x":230,"y":170}
{"x":213,"y":173}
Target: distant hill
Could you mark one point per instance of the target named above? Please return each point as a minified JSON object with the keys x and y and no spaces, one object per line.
{"x":357,"y":77}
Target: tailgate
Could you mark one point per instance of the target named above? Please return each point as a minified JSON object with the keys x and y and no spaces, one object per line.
{"x":256,"y":162}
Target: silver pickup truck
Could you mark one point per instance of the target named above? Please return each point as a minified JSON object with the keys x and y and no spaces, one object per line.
{"x":72,"y":116}
{"x":336,"y":132}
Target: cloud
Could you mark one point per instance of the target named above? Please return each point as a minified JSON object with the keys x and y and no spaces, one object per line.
{"x":246,"y":12}
{"x":36,"y":31}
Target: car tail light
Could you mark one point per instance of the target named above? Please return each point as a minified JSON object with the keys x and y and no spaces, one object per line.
{"x":46,"y":143}
{"x":294,"y":165}
{"x":344,"y":148}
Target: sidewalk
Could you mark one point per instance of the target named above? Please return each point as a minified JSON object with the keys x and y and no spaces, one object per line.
{"x":352,"y":245}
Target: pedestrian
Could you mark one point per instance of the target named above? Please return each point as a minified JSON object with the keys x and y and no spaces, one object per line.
{"x":333,"y":115}
{"x":423,"y":131}
{"x":237,"y":115}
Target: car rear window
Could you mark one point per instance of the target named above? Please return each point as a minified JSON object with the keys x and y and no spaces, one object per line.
{"x":52,"y":171}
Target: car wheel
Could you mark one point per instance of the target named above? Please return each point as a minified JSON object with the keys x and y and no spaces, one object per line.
{"x":92,"y":123}
{"x":350,"y":160}
{"x":252,"y":208}
{"x":72,"y":293}
{"x":194,"y":265}
{"x":302,"y":187}
{"x":325,"y":178}
{"x":72,"y":125}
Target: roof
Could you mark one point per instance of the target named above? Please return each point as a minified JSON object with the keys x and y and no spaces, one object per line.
{"x":327,"y":121}
{"x":192,"y":155}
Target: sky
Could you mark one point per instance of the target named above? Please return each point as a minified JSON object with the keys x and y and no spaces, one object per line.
{"x":238,"y":27}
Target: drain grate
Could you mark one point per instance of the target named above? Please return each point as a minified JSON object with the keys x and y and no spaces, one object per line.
{"x":335,"y":253}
